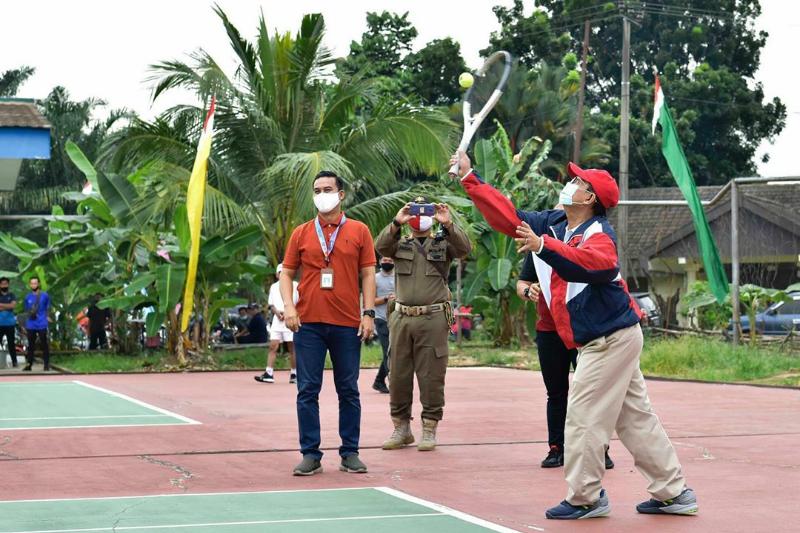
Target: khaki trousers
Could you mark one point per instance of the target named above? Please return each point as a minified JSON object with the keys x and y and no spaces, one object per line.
{"x":608,"y":392}
{"x":419,"y":347}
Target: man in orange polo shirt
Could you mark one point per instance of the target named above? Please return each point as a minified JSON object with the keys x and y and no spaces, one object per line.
{"x":333,"y":252}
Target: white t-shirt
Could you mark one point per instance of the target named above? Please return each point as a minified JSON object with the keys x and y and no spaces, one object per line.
{"x":276,"y":301}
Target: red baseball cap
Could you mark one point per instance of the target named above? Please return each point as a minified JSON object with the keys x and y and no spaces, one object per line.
{"x":603,"y":184}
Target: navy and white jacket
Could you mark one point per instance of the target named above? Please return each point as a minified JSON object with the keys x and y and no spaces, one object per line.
{"x":580,"y":278}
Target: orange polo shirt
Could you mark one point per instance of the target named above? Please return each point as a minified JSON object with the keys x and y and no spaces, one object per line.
{"x":353,"y":250}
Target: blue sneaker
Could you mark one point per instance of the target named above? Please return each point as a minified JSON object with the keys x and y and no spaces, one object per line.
{"x":684,"y":503}
{"x":567,"y":511}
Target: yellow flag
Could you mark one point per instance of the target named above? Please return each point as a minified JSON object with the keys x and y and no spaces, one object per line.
{"x":195,"y":197}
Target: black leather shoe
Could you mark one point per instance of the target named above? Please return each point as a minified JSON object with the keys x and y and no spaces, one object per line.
{"x":555,"y":457}
{"x":609,"y":462}
{"x":380,"y":387}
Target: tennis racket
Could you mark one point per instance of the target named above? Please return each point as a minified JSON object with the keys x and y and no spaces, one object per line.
{"x":486,"y":90}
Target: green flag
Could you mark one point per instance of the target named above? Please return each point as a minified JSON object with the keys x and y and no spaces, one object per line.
{"x":676,"y":160}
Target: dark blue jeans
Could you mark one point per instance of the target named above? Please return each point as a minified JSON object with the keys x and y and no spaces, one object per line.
{"x":311,"y":343}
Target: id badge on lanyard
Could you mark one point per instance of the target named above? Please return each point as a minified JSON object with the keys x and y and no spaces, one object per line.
{"x":326,"y":274}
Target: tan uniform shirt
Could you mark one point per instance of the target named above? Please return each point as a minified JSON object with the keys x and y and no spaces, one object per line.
{"x":418,"y":281}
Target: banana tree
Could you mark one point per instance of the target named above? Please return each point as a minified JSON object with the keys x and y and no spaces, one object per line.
{"x":490,"y":283}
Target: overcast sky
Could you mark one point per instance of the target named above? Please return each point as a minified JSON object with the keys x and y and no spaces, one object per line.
{"x":103,"y":48}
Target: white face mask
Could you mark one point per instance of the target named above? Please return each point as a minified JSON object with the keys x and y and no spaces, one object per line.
{"x":565,"y":196}
{"x":425,"y":223}
{"x":326,"y":201}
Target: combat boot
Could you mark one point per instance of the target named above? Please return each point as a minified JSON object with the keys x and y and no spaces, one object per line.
{"x":428,"y":442}
{"x":401,"y":436}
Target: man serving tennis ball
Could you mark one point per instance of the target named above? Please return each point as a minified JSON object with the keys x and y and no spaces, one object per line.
{"x":466,"y":80}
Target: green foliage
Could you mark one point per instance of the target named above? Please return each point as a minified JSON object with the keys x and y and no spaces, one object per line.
{"x":708,"y":53}
{"x":490,"y":281}
{"x":382,"y":48}
{"x":433,"y":71}
{"x":12,"y":79}
{"x":700,"y":305}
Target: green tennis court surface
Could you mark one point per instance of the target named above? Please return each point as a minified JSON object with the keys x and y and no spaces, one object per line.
{"x":74,"y":404}
{"x":368,"y":510}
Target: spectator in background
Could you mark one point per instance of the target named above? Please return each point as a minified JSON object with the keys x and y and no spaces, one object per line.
{"x":384,"y":282}
{"x":98,"y":320}
{"x":465,"y":317}
{"x":256,"y":327}
{"x":279,"y":333}
{"x":37,"y":306}
{"x":8,"y":320}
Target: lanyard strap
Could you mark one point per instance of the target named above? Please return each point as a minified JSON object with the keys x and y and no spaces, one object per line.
{"x":326,"y":251}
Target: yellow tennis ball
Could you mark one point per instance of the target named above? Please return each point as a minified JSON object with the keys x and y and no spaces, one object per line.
{"x":466,"y":80}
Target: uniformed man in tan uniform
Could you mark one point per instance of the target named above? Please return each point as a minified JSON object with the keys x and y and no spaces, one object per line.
{"x":422,"y":316}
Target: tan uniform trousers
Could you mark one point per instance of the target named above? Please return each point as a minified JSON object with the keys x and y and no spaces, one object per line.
{"x":419,"y":346}
{"x":608,"y":392}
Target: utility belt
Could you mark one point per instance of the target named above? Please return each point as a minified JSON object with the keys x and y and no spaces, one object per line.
{"x":419,"y":310}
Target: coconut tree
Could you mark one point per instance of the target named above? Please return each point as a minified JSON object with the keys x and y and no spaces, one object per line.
{"x":281,"y":118}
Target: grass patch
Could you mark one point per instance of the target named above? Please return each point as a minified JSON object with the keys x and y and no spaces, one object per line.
{"x":714,"y":360}
{"x":92,"y":362}
{"x":684,"y":358}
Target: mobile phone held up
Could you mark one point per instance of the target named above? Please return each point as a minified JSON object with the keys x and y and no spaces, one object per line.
{"x":422,"y":210}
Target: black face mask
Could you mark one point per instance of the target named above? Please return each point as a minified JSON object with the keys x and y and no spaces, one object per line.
{"x":3,"y":289}
{"x":387,"y":267}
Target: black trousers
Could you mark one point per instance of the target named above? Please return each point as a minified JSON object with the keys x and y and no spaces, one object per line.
{"x":42,"y":335}
{"x":9,"y":332}
{"x":555,"y":360}
{"x":382,"y":329}
{"x":98,"y":339}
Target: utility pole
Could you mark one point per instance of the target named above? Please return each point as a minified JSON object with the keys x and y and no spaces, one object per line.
{"x":622,"y":230}
{"x":576,"y":152}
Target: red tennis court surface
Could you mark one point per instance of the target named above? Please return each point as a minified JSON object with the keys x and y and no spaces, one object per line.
{"x":738,"y":446}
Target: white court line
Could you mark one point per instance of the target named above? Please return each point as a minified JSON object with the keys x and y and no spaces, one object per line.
{"x":33,"y":428}
{"x":446,"y":510}
{"x":184,"y":495}
{"x":80,"y":417}
{"x":31,"y":383}
{"x":138,"y":402}
{"x":216,"y":524}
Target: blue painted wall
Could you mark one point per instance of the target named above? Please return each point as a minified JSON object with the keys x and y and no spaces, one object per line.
{"x":24,"y":143}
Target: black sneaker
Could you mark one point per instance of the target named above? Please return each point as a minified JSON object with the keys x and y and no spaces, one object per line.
{"x":555,"y":457}
{"x":292,"y":378}
{"x":308,"y":467}
{"x":27,"y":368}
{"x":684,"y":503}
{"x":266,"y":377}
{"x":609,"y":462}
{"x":353,"y":465}
{"x":380,"y":387}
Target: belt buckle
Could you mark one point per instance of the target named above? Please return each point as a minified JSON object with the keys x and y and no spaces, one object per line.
{"x":417,"y":311}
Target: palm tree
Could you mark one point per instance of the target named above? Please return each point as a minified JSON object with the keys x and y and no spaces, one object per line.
{"x":10,"y":80}
{"x":541,"y":103}
{"x":281,"y":118}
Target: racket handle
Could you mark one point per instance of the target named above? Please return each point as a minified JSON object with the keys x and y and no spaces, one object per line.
{"x":453,"y":170}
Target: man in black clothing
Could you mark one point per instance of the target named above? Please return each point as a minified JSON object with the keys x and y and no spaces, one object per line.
{"x":256,"y":328}
{"x":98,"y":318}
{"x":8,"y":321}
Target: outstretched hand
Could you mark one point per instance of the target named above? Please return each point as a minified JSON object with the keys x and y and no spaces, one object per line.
{"x":527,"y":240}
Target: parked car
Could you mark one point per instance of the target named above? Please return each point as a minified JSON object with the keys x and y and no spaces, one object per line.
{"x":778,"y":319}
{"x":648,"y":305}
